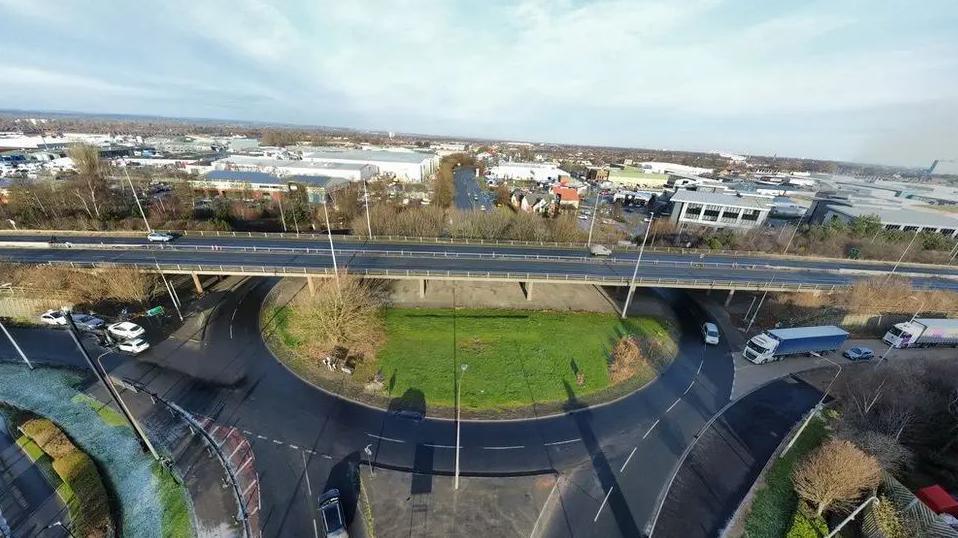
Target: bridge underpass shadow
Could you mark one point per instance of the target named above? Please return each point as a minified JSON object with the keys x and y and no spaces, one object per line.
{"x":617,"y":503}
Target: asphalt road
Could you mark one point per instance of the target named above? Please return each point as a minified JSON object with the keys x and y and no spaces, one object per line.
{"x":469,"y":194}
{"x":621,"y":453}
{"x":537,"y":262}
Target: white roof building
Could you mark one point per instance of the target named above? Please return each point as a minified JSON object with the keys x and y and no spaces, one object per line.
{"x":404,"y":165}
{"x":284,"y":167}
{"x":719,"y":210}
{"x":541,"y":172}
{"x":899,"y":219}
{"x":672,"y":168}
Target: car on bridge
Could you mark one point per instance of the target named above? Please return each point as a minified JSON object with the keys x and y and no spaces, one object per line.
{"x":160,"y":237}
{"x":600,"y":250}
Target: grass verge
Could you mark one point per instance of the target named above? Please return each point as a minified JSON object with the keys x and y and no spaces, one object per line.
{"x":516,"y":358}
{"x":774,"y":504}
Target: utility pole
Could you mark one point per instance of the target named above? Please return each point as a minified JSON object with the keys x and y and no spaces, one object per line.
{"x":595,"y":211}
{"x":329,"y":235}
{"x":169,"y":288}
{"x":635,"y":273}
{"x":137,"y":198}
{"x":16,"y":345}
{"x":108,"y":385}
{"x":464,"y":367}
{"x":369,"y":226}
{"x":902,"y":257}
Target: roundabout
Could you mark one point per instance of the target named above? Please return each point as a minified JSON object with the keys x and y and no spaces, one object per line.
{"x":617,"y":457}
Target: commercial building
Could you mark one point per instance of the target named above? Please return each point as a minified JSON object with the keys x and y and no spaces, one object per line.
{"x":539,"y":172}
{"x":288,"y":167}
{"x":260,"y":184}
{"x":909,"y":219}
{"x":719,"y":210}
{"x":631,"y":176}
{"x":655,"y":167}
{"x":404,"y":165}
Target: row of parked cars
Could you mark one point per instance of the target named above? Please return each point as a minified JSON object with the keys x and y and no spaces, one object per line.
{"x":127,"y":336}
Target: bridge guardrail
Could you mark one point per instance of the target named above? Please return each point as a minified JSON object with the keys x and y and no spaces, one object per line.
{"x":260,"y":270}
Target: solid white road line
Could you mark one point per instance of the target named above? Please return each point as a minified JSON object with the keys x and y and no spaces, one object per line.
{"x":601,"y":506}
{"x":385,"y":438}
{"x":688,"y":388}
{"x":676,"y":402}
{"x":309,"y":501}
{"x":652,"y":427}
{"x":554,"y":443}
{"x":502,"y":447}
{"x":439,"y":446}
{"x":627,"y":460}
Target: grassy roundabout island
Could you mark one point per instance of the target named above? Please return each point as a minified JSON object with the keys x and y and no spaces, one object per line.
{"x":516,"y":358}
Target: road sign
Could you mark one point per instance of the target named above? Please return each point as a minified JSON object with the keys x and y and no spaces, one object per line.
{"x":156,"y":311}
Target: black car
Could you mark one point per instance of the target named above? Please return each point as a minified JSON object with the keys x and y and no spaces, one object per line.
{"x":858,"y":354}
{"x":333,"y":522}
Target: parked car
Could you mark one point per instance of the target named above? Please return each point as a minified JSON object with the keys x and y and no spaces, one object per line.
{"x":53,"y":317}
{"x":86,"y":321}
{"x":125,"y":330}
{"x":160,"y":237}
{"x":134,"y":347}
{"x":710,"y":333}
{"x":333,"y":521}
{"x":858,"y":354}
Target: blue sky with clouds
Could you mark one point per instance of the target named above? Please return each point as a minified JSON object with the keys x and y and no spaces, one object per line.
{"x":872,"y":80}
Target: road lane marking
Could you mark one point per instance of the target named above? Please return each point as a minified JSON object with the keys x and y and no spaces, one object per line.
{"x":554,"y":443}
{"x":676,"y":402}
{"x":439,"y":446}
{"x":652,"y":427}
{"x":261,"y":437}
{"x":294,"y":447}
{"x":699,"y":371}
{"x":385,"y":438}
{"x":309,"y":501}
{"x":601,"y":506}
{"x":627,"y":460}
{"x":502,"y":447}
{"x":277,"y":441}
{"x":689,"y":388}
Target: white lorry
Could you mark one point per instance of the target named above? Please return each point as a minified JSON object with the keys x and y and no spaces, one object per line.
{"x":923,"y":332}
{"x":775,"y":344}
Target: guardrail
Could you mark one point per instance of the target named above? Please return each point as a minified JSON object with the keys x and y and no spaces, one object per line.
{"x":260,"y":270}
{"x":466,"y":241}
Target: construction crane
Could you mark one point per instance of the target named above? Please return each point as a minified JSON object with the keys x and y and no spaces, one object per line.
{"x":934,"y":164}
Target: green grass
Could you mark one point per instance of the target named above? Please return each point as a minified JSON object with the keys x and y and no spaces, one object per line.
{"x":775,"y":503}
{"x":177,"y":516}
{"x":107,"y":413}
{"x":515,"y":357}
{"x":30,"y":448}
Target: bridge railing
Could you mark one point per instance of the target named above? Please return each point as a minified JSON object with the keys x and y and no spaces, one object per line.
{"x":512,"y":276}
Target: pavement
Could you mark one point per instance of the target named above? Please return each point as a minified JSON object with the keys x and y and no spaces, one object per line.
{"x":28,"y":502}
{"x":729,"y":455}
{"x":510,"y":262}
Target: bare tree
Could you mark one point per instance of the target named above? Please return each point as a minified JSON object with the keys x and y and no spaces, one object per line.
{"x":835,"y":475}
{"x":346,"y":316}
{"x":90,"y":186}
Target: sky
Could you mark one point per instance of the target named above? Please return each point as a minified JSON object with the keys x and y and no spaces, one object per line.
{"x":868,"y":80}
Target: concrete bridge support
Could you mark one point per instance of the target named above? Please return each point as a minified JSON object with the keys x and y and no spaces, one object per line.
{"x":526,"y":289}
{"x":196,"y":283}
{"x":728,"y":299}
{"x":422,"y":288}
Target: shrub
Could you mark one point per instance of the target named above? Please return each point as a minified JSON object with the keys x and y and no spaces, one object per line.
{"x":834,"y":475}
{"x":48,"y":437}
{"x":806,"y":525}
{"x":626,"y":358}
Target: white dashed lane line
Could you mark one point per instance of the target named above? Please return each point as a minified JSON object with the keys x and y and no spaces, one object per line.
{"x":567,"y":441}
{"x":390,"y":439}
{"x":652,"y":427}
{"x":601,"y":506}
{"x":699,"y":371}
{"x":439,"y":446}
{"x":675,"y":403}
{"x":502,"y":447}
{"x":689,"y":388}
{"x":627,"y":460}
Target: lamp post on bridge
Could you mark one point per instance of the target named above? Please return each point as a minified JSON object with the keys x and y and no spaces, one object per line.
{"x":635,"y":273}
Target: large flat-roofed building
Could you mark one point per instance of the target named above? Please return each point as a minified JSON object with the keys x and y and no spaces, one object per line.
{"x":540,"y":172}
{"x":656,"y":167}
{"x":260,"y":184}
{"x":898,"y":219}
{"x":719,"y":210}
{"x":631,"y":176}
{"x":403,"y":165}
{"x":290,"y":167}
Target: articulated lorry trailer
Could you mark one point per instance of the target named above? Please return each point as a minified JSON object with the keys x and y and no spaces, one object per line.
{"x":923,"y":332}
{"x":776,"y":344}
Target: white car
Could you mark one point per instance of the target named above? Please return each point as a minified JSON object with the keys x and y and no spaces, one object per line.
{"x":134,"y":347}
{"x":159,"y":237}
{"x":53,"y":317}
{"x":710,"y":333}
{"x":125,"y":330}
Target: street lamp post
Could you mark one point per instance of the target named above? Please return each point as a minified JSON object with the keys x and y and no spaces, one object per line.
{"x":61,"y":525}
{"x":16,"y":345}
{"x":817,"y":407}
{"x":169,"y":288}
{"x":921,"y":305}
{"x":463,"y":367}
{"x":595,"y":210}
{"x":137,"y":198}
{"x":369,"y":225}
{"x":635,"y":273}
{"x":329,"y":235}
{"x":902,"y":257}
